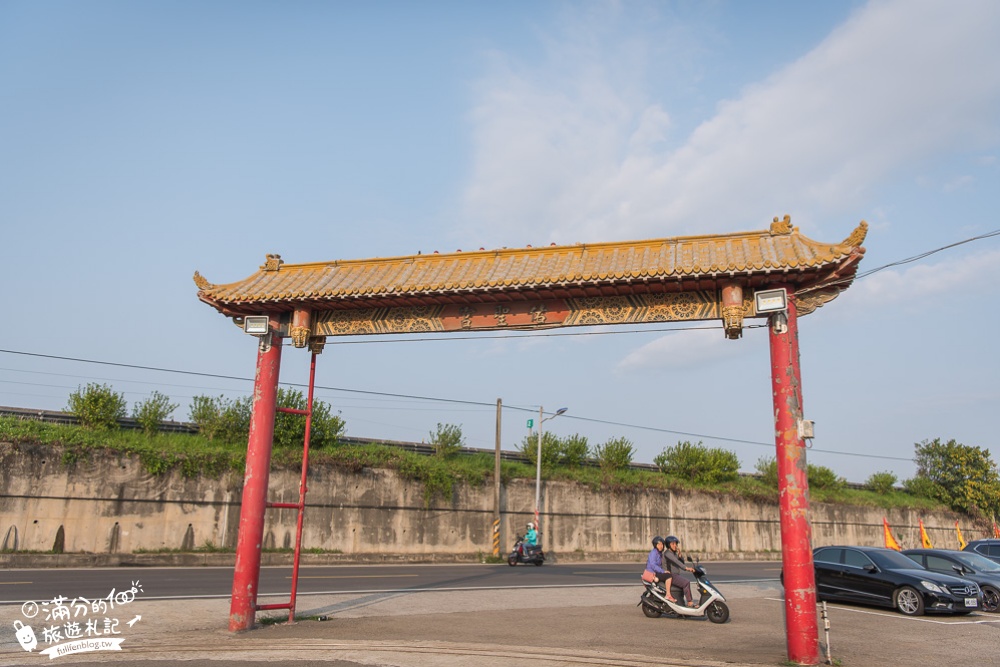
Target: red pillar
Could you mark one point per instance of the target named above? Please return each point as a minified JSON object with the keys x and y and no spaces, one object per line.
{"x":793,"y":489}
{"x":243,"y":607}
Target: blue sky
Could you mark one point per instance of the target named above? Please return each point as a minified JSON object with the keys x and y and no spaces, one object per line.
{"x":140,"y":142}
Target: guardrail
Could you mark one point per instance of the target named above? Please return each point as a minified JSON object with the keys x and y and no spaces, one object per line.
{"x":55,"y":417}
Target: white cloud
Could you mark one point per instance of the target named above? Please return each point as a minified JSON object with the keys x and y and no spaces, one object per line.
{"x":923,"y":282}
{"x":574,"y":148}
{"x":682,"y":350}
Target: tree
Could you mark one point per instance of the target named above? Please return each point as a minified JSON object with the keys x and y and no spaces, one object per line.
{"x":552,"y":449}
{"x":964,"y":477}
{"x":699,"y":464}
{"x":98,"y":406}
{"x":575,"y":450}
{"x":615,"y":454}
{"x":153,"y":411}
{"x":447,"y":440}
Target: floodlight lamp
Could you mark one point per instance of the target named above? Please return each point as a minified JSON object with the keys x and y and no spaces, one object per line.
{"x":771,"y":301}
{"x":257,"y":325}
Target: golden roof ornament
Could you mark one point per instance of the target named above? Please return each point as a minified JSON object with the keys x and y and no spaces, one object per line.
{"x":857,"y":237}
{"x":272,"y":263}
{"x":201,"y":282}
{"x":783,"y":226}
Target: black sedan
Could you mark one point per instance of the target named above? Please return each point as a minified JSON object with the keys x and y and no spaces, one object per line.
{"x":967,"y":565}
{"x":887,"y":578}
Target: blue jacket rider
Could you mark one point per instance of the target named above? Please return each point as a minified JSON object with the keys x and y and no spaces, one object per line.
{"x":531,"y":537}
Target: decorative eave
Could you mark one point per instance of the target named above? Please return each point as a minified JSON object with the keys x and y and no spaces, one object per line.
{"x":754,"y":260}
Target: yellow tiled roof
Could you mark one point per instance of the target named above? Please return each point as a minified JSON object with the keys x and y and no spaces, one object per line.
{"x":780,"y":249}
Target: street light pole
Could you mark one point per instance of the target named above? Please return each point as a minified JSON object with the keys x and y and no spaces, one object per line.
{"x":538,"y":458}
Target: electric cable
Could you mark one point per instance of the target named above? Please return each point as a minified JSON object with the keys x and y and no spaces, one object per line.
{"x":859,"y":276}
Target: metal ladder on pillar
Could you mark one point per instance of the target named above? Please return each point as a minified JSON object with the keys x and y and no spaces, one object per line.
{"x":301,"y":505}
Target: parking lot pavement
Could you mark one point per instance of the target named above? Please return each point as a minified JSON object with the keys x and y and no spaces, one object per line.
{"x":554,"y":627}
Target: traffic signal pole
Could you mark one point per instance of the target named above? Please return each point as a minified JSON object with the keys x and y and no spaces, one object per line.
{"x":793,"y":490}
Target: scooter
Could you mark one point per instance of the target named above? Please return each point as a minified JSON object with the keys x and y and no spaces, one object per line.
{"x":711,"y":604}
{"x":525,"y":553}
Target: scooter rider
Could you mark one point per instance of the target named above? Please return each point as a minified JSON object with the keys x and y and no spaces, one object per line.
{"x":654,"y":564}
{"x":531,"y":537}
{"x":674,"y":565}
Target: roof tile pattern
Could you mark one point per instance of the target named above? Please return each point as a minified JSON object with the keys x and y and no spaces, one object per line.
{"x":740,"y":254}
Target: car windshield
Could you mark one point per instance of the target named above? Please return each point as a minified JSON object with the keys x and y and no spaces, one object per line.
{"x":977,"y":562}
{"x":893,"y":560}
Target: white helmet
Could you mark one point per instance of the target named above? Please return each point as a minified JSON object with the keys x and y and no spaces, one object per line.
{"x":530,"y":525}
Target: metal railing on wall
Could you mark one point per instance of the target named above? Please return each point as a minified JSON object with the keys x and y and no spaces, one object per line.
{"x":55,"y":417}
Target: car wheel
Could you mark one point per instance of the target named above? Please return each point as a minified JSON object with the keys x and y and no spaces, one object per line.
{"x":991,"y":599}
{"x":908,"y":601}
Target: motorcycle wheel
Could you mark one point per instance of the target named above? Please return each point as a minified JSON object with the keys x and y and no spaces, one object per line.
{"x":512,"y":560}
{"x":539,"y":561}
{"x":717,"y":612}
{"x":648,"y":610}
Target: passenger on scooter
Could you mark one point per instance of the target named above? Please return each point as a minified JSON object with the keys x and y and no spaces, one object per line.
{"x":654,"y":567}
{"x":674,"y":565}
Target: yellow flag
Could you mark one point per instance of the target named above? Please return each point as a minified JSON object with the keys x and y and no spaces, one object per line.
{"x":961,"y":540}
{"x":924,"y":540}
{"x":890,"y":541}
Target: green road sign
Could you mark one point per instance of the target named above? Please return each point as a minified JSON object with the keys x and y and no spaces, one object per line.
{"x":531,"y":423}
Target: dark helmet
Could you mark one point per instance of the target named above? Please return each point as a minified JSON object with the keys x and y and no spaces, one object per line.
{"x":671,"y":539}
{"x":658,"y":540}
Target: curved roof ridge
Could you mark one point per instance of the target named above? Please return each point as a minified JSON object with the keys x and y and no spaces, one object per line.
{"x":781,"y":246}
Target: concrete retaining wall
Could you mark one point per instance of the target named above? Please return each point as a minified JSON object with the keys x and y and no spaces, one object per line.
{"x":109,"y":504}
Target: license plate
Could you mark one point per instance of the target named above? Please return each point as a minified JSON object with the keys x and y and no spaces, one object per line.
{"x":971,"y":602}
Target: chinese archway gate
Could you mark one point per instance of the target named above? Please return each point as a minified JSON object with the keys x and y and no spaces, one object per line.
{"x":659,"y":280}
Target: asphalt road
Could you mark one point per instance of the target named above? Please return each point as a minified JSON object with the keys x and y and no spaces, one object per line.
{"x":18,"y":586}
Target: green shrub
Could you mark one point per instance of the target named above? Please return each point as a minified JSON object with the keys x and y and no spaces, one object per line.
{"x":881,"y":482}
{"x":551,"y":449}
{"x":447,"y":440}
{"x":821,"y":477}
{"x":699,"y":464}
{"x":767,"y":468}
{"x":97,"y":406}
{"x":615,"y":454}
{"x":153,"y":411}
{"x":575,"y":450}
{"x":921,"y":487}
{"x":229,"y":420}
{"x":222,"y":418}
{"x":818,"y":477}
{"x":290,"y":429}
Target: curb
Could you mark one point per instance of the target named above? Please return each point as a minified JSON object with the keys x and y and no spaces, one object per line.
{"x":227,"y":559}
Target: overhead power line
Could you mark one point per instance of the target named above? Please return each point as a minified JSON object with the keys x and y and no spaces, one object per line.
{"x":534,"y":334}
{"x":483,"y":404}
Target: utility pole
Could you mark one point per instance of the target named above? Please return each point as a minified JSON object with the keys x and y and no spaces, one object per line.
{"x":496,"y":486}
